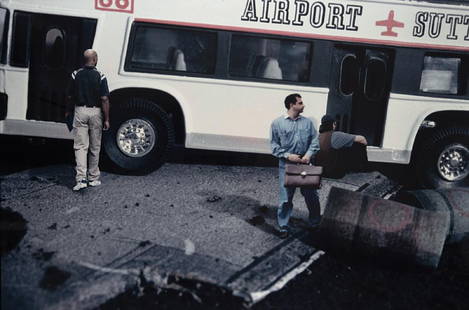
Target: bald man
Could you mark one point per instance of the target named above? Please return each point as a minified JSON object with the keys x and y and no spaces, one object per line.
{"x":88,"y":96}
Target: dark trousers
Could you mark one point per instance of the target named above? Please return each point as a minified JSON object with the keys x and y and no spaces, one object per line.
{"x":354,"y":158}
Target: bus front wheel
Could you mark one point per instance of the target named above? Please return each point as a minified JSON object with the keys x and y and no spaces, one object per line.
{"x":140,"y":137}
{"x":444,"y":161}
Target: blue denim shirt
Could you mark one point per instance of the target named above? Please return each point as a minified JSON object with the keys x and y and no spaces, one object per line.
{"x":293,"y":136}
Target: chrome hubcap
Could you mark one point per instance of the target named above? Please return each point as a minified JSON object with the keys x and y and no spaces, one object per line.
{"x":453,"y":162}
{"x":136,"y":137}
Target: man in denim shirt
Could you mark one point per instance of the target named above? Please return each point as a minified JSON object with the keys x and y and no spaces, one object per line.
{"x":294,"y":139}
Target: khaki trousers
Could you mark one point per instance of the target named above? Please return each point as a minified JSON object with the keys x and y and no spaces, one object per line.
{"x":87,"y":132}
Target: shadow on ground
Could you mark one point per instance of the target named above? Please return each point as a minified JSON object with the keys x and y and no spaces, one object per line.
{"x":19,"y":153}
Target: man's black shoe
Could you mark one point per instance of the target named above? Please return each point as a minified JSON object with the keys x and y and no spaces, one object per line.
{"x":283,"y":232}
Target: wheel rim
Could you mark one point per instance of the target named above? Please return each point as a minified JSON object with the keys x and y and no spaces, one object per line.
{"x":453,"y":162}
{"x":136,"y":137}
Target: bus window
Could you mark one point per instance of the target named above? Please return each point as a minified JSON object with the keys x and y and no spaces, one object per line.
{"x":349,"y":74}
{"x":375,"y":79}
{"x":54,"y":49}
{"x":155,"y":49}
{"x":269,"y":58}
{"x":20,"y":43}
{"x":3,"y":34}
{"x":440,"y":75}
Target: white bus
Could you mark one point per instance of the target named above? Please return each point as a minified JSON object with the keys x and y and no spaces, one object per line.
{"x":212,"y":74}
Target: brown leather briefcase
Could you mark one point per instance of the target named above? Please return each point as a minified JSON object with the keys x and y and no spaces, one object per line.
{"x":300,"y":175}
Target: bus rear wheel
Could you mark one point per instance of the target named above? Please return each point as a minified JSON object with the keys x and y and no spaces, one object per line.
{"x":140,"y":137}
{"x":444,"y":161}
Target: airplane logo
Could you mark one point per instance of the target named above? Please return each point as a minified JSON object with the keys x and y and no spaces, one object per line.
{"x":389,"y":24}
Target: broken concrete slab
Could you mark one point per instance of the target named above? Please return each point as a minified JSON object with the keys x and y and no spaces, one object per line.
{"x":453,"y":202}
{"x":374,"y":228}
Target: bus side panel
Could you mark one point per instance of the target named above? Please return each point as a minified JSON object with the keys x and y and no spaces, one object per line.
{"x":402,"y":137}
{"x":250,"y":111}
{"x":16,"y":88}
{"x":230,"y":115}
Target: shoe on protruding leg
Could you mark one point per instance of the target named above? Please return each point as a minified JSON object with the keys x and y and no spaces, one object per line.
{"x":314,"y":224}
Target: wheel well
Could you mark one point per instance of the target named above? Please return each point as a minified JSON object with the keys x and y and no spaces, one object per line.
{"x":442,"y":119}
{"x":449,"y":118}
{"x":164,"y":100}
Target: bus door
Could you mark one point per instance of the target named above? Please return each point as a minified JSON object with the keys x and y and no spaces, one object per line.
{"x":56,"y":48}
{"x":359,"y":90}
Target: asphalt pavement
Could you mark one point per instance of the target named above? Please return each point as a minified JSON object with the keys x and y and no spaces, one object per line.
{"x":186,"y":223}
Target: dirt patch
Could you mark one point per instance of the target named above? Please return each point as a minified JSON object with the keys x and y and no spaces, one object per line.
{"x":256,"y":220}
{"x":144,"y":243}
{"x":214,"y":198}
{"x":42,"y":255}
{"x":53,"y":278}
{"x":39,"y":179}
{"x":13,"y":227}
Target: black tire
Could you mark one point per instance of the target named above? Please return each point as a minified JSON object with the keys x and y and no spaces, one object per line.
{"x":156,"y":120}
{"x":440,"y":141}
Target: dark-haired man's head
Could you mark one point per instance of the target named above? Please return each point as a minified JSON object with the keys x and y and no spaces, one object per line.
{"x":291,"y":99}
{"x":327,"y":123}
{"x":294,"y":103}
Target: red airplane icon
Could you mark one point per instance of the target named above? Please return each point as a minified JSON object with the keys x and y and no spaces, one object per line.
{"x":389,"y":24}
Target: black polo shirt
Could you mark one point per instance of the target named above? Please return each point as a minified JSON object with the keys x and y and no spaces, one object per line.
{"x":87,"y":86}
